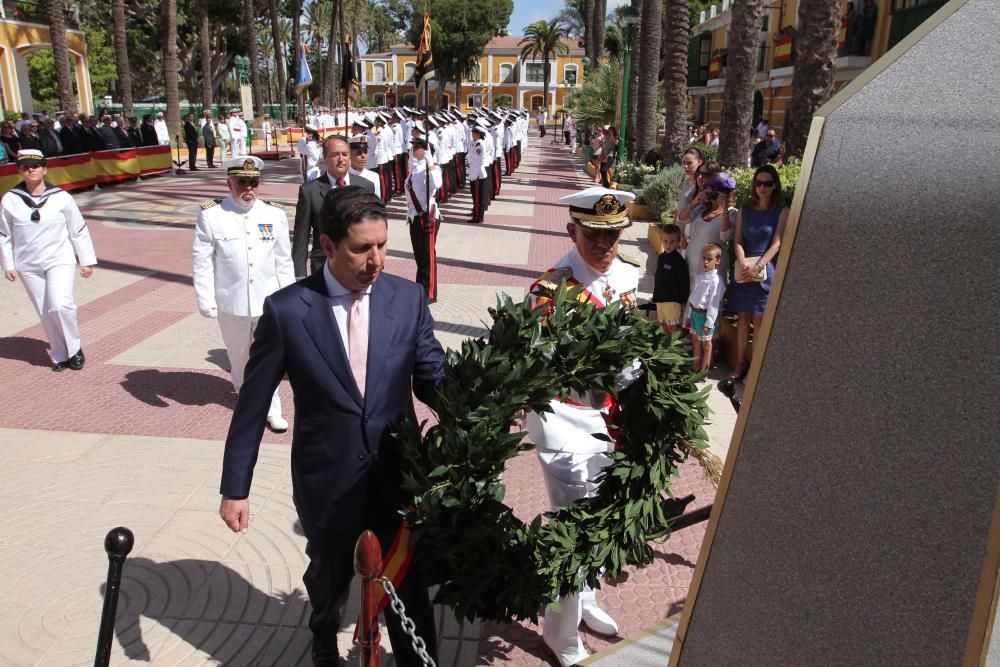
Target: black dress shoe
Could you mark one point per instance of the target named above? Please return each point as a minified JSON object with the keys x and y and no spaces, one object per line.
{"x":76,"y":361}
{"x":59,"y":367}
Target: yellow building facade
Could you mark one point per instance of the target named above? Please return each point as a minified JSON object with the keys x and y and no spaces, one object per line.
{"x":869,"y":28}
{"x":22,"y":31}
{"x":499,"y":78}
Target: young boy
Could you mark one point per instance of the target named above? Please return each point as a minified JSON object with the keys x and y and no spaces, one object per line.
{"x":672,"y":283}
{"x":706,"y":294}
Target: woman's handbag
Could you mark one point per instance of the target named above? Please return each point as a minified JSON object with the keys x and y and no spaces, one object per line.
{"x":759,"y":277}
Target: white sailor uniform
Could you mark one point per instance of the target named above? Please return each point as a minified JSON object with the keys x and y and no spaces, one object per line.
{"x":570,"y":456}
{"x":44,"y":253}
{"x":240,"y":255}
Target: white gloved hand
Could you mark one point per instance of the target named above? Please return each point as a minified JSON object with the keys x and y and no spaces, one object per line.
{"x":210,"y":313}
{"x":629,"y":375}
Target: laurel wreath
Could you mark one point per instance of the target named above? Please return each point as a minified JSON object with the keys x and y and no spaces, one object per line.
{"x":489,"y":564}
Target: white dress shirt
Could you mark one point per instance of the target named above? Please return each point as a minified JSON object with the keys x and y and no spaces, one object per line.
{"x":341,"y":302}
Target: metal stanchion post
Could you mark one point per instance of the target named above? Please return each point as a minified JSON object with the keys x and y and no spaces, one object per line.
{"x":118,"y":544}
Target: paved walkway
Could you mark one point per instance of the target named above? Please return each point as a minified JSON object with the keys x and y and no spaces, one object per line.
{"x":136,"y":440}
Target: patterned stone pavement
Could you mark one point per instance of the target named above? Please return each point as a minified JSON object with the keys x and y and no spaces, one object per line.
{"x":135,"y":440}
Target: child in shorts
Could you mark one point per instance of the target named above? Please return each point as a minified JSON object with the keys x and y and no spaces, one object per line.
{"x":672,"y":282}
{"x":706,"y":295}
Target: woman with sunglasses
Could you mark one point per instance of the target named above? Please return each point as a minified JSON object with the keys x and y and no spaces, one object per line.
{"x":42,"y":235}
{"x":757,"y":239}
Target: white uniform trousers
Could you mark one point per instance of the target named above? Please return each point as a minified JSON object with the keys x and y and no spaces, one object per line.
{"x":568,"y":478}
{"x":51,"y":293}
{"x":223,"y":150}
{"x":237,"y":334}
{"x":239,"y":146}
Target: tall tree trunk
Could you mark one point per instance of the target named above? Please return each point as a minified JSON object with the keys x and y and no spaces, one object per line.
{"x":279,"y":60}
{"x":638,"y":53}
{"x":121,"y":56}
{"x":675,"y":66}
{"x":206,"y":56}
{"x":300,"y":109}
{"x":341,"y":39}
{"x":815,"y":64}
{"x":600,"y":17}
{"x":331,"y":55}
{"x":250,"y":24}
{"x":545,"y":83}
{"x":324,"y":95}
{"x":588,"y":33}
{"x":168,"y":16}
{"x":60,"y":52}
{"x":649,"y":78}
{"x":737,"y":99}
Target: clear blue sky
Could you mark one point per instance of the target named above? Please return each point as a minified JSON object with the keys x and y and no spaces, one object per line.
{"x":529,"y":11}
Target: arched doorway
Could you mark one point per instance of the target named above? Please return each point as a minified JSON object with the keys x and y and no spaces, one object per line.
{"x":537,"y":102}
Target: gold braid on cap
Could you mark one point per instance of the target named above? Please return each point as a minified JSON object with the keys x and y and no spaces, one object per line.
{"x":249,"y":168}
{"x":607,"y":210}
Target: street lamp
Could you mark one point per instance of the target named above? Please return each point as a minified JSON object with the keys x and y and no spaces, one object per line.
{"x":629,"y":17}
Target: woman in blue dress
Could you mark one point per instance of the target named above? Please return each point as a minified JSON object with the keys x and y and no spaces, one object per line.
{"x":756,"y":240}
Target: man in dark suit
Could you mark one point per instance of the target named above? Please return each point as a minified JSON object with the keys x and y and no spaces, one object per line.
{"x":354,"y":343}
{"x":191,"y":140}
{"x":68,"y":136}
{"x":337,"y":155}
{"x":107,"y":133}
{"x":208,"y":133}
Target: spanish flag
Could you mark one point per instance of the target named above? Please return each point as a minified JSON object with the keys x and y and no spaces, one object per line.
{"x":424,"y":70}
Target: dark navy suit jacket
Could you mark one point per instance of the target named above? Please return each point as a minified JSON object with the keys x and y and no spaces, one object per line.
{"x":342,"y":453}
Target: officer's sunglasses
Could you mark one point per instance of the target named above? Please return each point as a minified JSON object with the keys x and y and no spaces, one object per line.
{"x":252,"y":182}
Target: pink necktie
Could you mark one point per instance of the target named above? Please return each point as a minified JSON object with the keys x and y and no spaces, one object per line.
{"x":357,"y":333}
{"x":341,"y":182}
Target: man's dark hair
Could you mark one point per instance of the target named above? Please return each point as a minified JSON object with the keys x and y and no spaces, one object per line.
{"x":347,"y":206}
{"x":334,"y":137}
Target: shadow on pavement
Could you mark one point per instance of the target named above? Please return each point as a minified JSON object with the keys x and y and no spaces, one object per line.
{"x":29,"y":350}
{"x":152,"y":386}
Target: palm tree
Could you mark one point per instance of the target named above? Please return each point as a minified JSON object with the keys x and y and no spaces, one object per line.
{"x":636,"y":39}
{"x":168,"y":16}
{"x":815,"y":64}
{"x":336,"y":14}
{"x":737,"y":99}
{"x":572,"y":17}
{"x":599,"y":20}
{"x":279,"y":59}
{"x":250,"y":25}
{"x":318,"y":22}
{"x":265,"y":47}
{"x":121,"y":55}
{"x":588,"y":32}
{"x":60,"y":51}
{"x":206,"y":55}
{"x":296,"y":9}
{"x":675,"y":67}
{"x":649,"y":77}
{"x":544,"y":40}
{"x":594,"y":103}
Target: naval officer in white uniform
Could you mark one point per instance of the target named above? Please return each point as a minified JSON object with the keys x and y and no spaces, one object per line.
{"x":241,"y":255}
{"x":42,"y":237}
{"x":570,"y":456}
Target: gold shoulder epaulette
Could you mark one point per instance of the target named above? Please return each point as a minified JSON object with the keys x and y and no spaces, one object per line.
{"x":276,"y":204}
{"x":209,"y":203}
{"x":550,"y":279}
{"x":628,"y":259}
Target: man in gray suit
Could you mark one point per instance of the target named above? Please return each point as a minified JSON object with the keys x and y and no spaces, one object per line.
{"x":337,"y":155}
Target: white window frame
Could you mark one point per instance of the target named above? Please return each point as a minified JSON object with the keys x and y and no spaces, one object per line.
{"x":409,"y":99}
{"x":499,"y":100}
{"x":408,"y":70}
{"x":474,"y":100}
{"x":379,"y":99}
{"x":509,"y":78}
{"x":531,"y":102}
{"x":576,"y":73}
{"x":524,"y":71}
{"x":376,"y":78}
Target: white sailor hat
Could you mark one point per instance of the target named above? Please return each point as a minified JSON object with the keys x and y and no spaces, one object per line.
{"x":599,"y":208}
{"x":358,"y":141}
{"x":248,"y":165}
{"x":30,"y":157}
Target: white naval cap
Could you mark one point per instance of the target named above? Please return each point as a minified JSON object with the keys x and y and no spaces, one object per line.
{"x":600,"y":208}
{"x":248,"y":165}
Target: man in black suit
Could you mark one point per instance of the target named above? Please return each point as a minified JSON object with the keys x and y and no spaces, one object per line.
{"x":107,"y":133}
{"x":49,"y":138}
{"x":148,"y":132}
{"x":337,"y":155}
{"x":29,"y":135}
{"x":208,"y":133}
{"x":191,"y":140}
{"x":356,"y":344}
{"x":95,"y":142}
{"x":68,"y":136}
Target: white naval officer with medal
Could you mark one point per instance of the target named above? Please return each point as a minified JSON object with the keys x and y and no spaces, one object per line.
{"x":241,"y":255}
{"x":571,"y":458}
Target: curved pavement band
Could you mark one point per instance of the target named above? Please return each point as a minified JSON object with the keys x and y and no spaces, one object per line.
{"x":135,"y":439}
